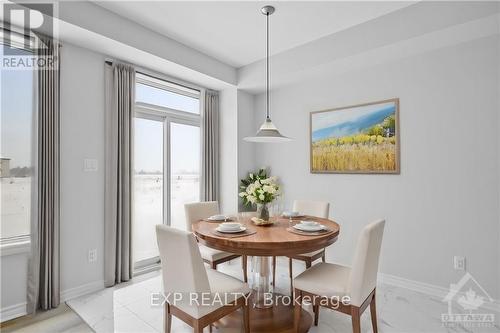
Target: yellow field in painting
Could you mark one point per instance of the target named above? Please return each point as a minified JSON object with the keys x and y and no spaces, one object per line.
{"x":359,"y":157}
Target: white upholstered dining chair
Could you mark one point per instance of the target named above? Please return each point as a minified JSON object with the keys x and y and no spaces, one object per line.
{"x":312,"y":208}
{"x":324,"y":281}
{"x":201,"y":210}
{"x":184,"y":274}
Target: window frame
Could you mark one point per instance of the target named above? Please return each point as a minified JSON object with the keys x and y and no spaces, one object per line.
{"x":167,"y":116}
{"x":173,"y":87}
{"x":22,"y":243}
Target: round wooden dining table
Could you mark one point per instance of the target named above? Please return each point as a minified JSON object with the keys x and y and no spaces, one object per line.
{"x":262,"y":243}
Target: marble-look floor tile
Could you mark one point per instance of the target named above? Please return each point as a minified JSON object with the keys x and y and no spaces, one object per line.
{"x":93,"y":308}
{"x":127,"y":308}
{"x":143,"y":309}
{"x":123,"y":321}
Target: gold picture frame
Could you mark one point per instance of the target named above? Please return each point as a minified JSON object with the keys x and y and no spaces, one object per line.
{"x":342,"y":140}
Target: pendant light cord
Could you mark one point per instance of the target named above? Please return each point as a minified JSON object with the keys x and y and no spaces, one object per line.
{"x":267,"y":68}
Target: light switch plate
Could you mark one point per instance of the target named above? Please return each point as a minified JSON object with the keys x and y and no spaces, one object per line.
{"x":89,"y":165}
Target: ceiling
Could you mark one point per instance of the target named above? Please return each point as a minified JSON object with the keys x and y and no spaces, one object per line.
{"x":234,"y":32}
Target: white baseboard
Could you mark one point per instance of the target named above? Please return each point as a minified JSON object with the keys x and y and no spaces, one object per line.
{"x":421,"y":287}
{"x":427,"y":289}
{"x":85,"y":289}
{"x":13,"y":311}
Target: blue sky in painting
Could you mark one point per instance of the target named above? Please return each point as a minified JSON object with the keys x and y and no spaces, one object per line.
{"x":350,"y":121}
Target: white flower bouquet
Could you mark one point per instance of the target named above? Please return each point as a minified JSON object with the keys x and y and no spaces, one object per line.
{"x":259,"y":189}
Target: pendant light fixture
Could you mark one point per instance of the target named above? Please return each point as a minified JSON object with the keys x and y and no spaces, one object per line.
{"x":267,"y":131}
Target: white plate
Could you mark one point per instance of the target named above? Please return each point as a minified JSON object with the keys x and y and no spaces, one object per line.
{"x":218,"y":218}
{"x":291,"y":214}
{"x":312,"y":228}
{"x":309,"y":223}
{"x":230,"y":231}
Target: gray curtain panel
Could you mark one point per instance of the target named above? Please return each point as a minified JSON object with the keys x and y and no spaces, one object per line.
{"x":210,"y":147}
{"x":43,"y":277}
{"x":120,"y":100}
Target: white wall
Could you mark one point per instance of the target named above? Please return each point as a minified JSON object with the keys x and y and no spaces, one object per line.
{"x":498,"y":242}
{"x":246,"y":150}
{"x":498,"y":203}
{"x":82,"y":193}
{"x":445,"y":202}
{"x":228,"y":123}
{"x":13,"y":282}
{"x":237,"y":156}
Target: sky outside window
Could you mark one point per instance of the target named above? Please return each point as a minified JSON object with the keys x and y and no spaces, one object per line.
{"x":185,"y":153}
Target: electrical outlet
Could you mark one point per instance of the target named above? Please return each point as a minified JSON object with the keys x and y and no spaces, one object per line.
{"x":459,"y":263}
{"x":92,"y":255}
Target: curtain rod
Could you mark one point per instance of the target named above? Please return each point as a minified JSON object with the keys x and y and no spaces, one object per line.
{"x":109,"y":62}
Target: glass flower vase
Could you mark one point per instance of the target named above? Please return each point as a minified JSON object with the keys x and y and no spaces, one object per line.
{"x":263,"y":211}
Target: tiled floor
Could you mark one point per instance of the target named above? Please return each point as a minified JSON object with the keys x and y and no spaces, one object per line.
{"x":127,"y":308}
{"x":60,"y":320}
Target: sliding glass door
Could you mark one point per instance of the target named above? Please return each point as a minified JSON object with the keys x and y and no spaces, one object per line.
{"x":148,"y":188}
{"x":166,"y":162}
{"x":184,"y":170}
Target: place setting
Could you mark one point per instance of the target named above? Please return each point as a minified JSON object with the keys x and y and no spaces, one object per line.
{"x":292,"y":215}
{"x":232,"y":230}
{"x":308,"y":228}
{"x":219,"y":218}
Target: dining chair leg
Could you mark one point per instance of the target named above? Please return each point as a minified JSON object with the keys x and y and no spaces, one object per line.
{"x":316,"y":314}
{"x":246,"y":317}
{"x":297,"y":310}
{"x":244,"y":263}
{"x":290,"y":272}
{"x":323,"y":257}
{"x":308,"y":264}
{"x":356,"y":319}
{"x":373,"y":312}
{"x":167,"y":319}
{"x":210,"y":328}
{"x":274,"y":271}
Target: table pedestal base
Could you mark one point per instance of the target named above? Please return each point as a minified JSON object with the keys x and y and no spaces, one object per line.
{"x":260,"y":282}
{"x":278,"y":318}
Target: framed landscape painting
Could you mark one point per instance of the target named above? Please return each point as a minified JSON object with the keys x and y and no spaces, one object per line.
{"x":356,"y":139}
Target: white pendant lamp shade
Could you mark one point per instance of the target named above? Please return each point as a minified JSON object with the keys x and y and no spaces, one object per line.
{"x":267,"y":131}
